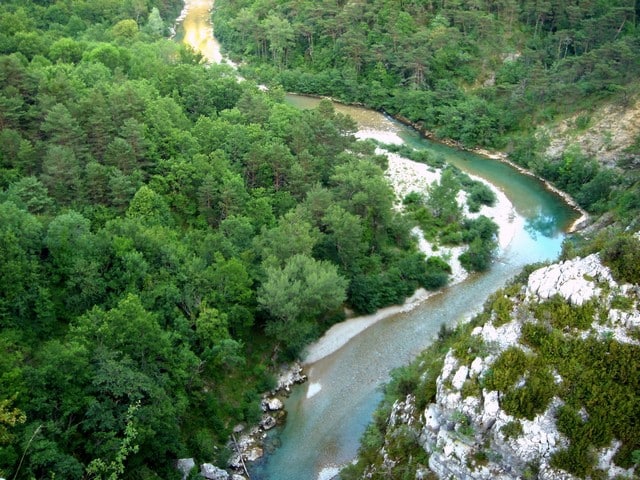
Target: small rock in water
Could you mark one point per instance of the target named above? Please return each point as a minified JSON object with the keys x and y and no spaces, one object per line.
{"x":268,"y":422}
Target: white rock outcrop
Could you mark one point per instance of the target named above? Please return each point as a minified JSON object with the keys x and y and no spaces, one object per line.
{"x":464,"y":435}
{"x":211,"y":472}
{"x":574,"y":280}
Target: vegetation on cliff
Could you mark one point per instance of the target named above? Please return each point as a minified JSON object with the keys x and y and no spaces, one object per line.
{"x":562,"y":365}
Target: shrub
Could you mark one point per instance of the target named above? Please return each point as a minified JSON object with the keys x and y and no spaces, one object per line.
{"x":622,"y":256}
{"x":512,"y":429}
{"x":533,"y":397}
{"x":560,"y":313}
{"x":469,"y":347}
{"x":508,"y":368}
{"x":502,"y":307}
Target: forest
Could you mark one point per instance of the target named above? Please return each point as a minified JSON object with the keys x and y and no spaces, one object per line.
{"x":482,"y":73}
{"x":168,"y":237}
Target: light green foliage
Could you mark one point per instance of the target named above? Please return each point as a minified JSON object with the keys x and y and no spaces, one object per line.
{"x":155,"y":25}
{"x":149,"y":208}
{"x":297,"y":294}
{"x":502,"y":306}
{"x":9,"y":417}
{"x":99,"y":469}
{"x":125,"y":30}
{"x":560,"y":313}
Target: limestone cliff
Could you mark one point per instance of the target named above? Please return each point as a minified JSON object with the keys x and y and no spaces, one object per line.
{"x":517,"y":397}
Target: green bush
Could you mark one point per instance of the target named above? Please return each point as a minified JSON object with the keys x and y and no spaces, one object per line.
{"x":502,"y":307}
{"x":467,"y":348}
{"x":508,"y":368}
{"x":512,"y":429}
{"x":622,"y":256}
{"x":560,"y":313}
{"x":533,"y":396}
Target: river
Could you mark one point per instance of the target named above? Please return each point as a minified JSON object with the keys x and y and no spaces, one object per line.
{"x":196,"y":30}
{"x":328,"y":414}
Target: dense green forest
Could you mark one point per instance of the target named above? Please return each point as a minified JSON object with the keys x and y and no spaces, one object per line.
{"x":168,"y":236}
{"x":483,"y":73}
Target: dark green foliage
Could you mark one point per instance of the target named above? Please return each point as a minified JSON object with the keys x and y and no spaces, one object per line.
{"x":512,"y":429}
{"x":467,"y":348}
{"x":509,"y":367}
{"x":622,"y":254}
{"x":561,"y":314}
{"x":480,"y":194}
{"x":167,"y":233}
{"x":533,"y":396}
{"x":502,"y":306}
{"x":449,"y":67}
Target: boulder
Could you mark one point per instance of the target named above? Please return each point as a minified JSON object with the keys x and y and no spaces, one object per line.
{"x":460,"y":377}
{"x":253,"y":454}
{"x":274,"y":404}
{"x":574,"y":280}
{"x":431,"y":420}
{"x":211,"y":472}
{"x":267,"y":422}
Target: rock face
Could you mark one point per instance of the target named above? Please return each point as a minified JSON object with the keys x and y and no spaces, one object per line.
{"x":611,"y":130}
{"x":574,"y":280}
{"x":467,"y":433}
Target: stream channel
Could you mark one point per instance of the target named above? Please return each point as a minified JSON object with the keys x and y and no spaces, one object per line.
{"x":328,"y":414}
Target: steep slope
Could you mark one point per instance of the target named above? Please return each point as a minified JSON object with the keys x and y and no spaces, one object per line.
{"x":544,"y":386}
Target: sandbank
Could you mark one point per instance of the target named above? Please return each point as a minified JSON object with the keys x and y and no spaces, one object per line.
{"x":405,"y":176}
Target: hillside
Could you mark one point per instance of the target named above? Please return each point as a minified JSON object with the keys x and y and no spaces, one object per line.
{"x":170,"y":235}
{"x":530,"y":78}
{"x":542,"y":384}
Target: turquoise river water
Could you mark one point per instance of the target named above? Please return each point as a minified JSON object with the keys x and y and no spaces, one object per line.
{"x":328,"y":414}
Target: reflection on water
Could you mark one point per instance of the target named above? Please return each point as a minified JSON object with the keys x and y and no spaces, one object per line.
{"x":196,"y":29}
{"x":542,"y":224}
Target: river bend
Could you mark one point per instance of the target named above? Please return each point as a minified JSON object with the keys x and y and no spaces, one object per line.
{"x":328,"y":414}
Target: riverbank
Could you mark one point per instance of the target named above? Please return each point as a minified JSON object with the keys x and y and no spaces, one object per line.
{"x":581,"y":222}
{"x":405,"y":176}
{"x":389,"y":137}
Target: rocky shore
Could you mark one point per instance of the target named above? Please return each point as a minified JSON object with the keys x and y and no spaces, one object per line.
{"x":247,"y":443}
